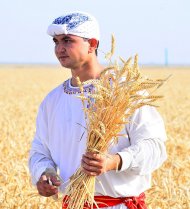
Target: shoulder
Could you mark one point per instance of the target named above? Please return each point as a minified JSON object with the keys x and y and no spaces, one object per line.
{"x":53,"y":96}
{"x":54,"y":92}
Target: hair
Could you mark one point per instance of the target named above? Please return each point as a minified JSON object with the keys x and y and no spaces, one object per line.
{"x":96,"y":51}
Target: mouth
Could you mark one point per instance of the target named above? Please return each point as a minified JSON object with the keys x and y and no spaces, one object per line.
{"x":63,"y":57}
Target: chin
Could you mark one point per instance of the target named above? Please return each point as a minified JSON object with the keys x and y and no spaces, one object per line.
{"x":65,"y":65}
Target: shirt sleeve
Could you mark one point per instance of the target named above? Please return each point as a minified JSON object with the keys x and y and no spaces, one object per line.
{"x":147,"y":135}
{"x":40,"y":157}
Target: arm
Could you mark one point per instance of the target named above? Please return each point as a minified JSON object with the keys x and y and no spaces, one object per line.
{"x":40,"y":157}
{"x":147,"y":136}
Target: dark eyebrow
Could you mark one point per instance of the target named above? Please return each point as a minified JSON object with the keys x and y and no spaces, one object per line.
{"x":64,"y":38}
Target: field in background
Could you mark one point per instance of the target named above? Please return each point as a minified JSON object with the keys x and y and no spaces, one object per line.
{"x":22,"y":88}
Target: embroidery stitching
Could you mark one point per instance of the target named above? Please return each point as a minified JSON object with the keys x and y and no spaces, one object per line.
{"x":69,"y":90}
{"x":72,"y":21}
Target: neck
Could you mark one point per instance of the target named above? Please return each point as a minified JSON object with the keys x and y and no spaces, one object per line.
{"x":86,"y":72}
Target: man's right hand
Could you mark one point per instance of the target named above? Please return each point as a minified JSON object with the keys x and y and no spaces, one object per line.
{"x":45,"y":189}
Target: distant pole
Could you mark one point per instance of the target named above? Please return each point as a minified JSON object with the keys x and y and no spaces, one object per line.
{"x":166,"y":56}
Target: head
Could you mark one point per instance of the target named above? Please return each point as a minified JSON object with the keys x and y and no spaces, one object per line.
{"x":77,"y":33}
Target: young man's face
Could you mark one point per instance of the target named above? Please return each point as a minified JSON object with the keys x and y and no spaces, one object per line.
{"x":71,"y":51}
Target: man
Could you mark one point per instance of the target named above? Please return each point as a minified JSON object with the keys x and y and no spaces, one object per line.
{"x":60,"y":138}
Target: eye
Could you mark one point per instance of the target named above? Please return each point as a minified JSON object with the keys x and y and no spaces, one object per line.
{"x":55,"y":41}
{"x":67,"y":41}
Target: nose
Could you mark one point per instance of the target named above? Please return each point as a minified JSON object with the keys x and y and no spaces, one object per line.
{"x":59,"y":48}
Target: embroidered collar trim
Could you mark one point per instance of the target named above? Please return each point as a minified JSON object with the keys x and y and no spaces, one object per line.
{"x":68,"y":89}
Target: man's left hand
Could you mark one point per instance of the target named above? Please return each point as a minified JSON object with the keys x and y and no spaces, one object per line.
{"x":95,"y":164}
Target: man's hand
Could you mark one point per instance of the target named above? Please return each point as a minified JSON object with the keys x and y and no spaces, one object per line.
{"x":44,"y":185}
{"x":95,"y":164}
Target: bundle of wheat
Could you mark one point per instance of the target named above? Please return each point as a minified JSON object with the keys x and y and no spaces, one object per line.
{"x":118,"y":92}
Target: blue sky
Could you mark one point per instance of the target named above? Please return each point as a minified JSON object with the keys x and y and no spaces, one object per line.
{"x":145,"y":27}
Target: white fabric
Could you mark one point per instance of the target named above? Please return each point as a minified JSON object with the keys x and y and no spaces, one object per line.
{"x":60,"y":141}
{"x":76,"y":23}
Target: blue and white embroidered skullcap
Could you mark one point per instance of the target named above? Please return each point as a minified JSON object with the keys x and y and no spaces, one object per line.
{"x":75,"y":23}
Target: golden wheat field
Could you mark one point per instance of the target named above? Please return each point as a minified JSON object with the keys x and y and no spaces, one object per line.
{"x":22,"y":88}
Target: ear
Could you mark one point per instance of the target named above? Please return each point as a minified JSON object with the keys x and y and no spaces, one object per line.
{"x":93,"y":45}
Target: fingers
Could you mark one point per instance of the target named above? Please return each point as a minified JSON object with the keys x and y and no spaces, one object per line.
{"x":44,"y":188}
{"x":91,"y":170}
{"x":94,"y":156}
{"x":93,"y":160}
{"x":55,"y":181}
{"x":93,"y":164}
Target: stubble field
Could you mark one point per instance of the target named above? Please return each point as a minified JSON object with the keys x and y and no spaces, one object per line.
{"x":22,"y":88}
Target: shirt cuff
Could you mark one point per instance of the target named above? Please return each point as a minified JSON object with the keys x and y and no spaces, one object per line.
{"x":126,"y":160}
{"x":38,"y":174}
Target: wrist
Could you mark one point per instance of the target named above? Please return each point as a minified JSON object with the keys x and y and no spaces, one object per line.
{"x":117,"y":162}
